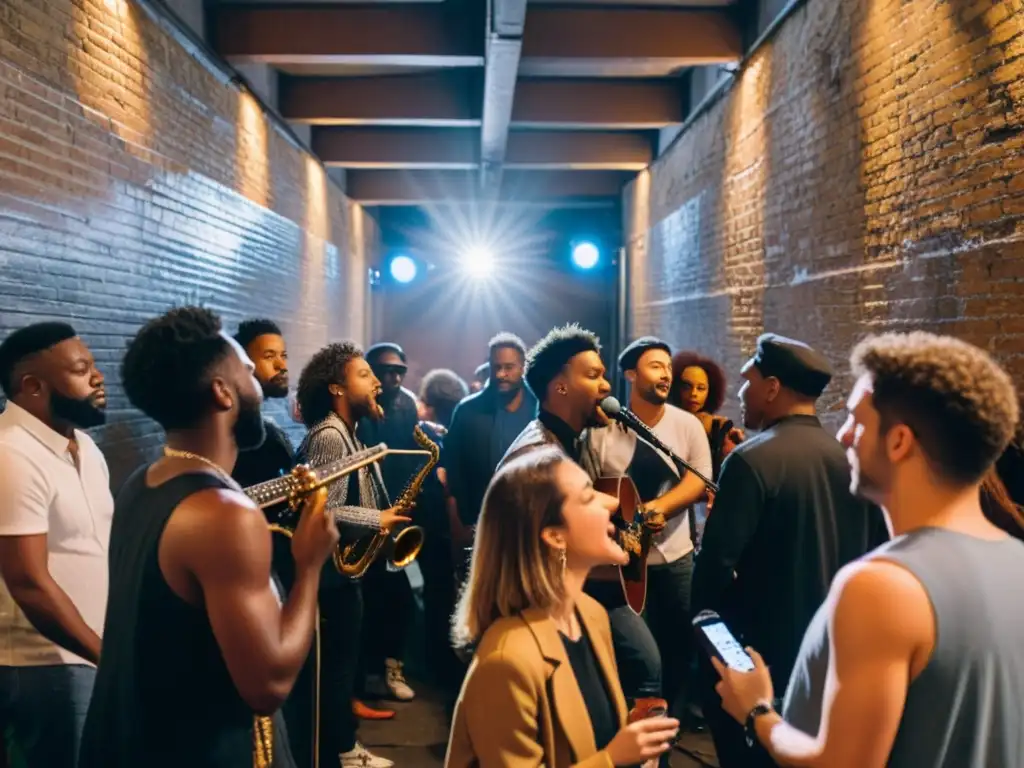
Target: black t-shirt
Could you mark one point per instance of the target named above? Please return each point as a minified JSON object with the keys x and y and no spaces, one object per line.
{"x":593,"y":687}
{"x":275,"y":457}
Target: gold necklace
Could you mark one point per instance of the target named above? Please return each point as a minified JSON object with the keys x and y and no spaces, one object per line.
{"x":174,"y":453}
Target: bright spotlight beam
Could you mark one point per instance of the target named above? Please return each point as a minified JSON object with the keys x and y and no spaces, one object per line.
{"x":585,"y":255}
{"x":478,"y":263}
{"x":403,"y":269}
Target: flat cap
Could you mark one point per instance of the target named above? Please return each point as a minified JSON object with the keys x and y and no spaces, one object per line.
{"x":631,"y":354}
{"x":796,"y":365}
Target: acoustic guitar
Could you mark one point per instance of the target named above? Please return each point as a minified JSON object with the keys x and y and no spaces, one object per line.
{"x":633,"y":536}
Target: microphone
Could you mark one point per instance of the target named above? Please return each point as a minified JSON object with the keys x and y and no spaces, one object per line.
{"x":615,"y":410}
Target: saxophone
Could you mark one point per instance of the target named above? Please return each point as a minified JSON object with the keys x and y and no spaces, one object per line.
{"x":404,"y":545}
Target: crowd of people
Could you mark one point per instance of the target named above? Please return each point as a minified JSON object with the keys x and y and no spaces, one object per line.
{"x":873,"y":575}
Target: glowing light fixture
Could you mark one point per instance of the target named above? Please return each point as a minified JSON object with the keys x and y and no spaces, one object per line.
{"x":585,"y":255}
{"x":403,"y":269}
{"x":478,"y":263}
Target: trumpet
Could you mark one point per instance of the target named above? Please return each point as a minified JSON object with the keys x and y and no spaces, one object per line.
{"x":302,"y":481}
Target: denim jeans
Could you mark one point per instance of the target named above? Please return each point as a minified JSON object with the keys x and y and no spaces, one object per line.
{"x":636,"y":652}
{"x":45,"y":708}
{"x":668,"y":615}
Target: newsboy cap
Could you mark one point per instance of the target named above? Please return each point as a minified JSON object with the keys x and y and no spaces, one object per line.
{"x":796,"y":365}
{"x":631,"y":355}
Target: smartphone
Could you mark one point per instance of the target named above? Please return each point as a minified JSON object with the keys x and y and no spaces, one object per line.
{"x":720,"y":642}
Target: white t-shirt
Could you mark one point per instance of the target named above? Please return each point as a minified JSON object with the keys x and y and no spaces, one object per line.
{"x":42,"y":491}
{"x":619,"y":451}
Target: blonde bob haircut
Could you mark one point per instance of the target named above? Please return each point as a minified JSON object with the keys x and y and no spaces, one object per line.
{"x":512,"y":568}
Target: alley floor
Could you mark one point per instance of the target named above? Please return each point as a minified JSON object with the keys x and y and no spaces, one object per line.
{"x":417,"y":736}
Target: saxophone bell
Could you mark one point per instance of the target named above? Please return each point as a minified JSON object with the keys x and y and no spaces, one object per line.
{"x":400,"y":545}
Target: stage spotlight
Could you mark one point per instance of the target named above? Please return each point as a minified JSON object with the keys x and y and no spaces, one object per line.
{"x":478,"y":263}
{"x":403,"y":269}
{"x":585,"y":255}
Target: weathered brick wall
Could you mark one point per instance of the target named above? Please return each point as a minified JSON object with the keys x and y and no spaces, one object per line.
{"x":865,"y":172}
{"x":132,"y":178}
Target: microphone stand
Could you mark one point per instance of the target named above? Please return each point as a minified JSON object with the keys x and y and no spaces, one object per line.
{"x":626,"y":417}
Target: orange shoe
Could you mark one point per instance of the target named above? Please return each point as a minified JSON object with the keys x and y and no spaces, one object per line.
{"x":364,"y":712}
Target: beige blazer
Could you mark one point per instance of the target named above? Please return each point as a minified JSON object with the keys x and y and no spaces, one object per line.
{"x":521,"y":705}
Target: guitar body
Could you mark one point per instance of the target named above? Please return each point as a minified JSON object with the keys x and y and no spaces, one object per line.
{"x":633,"y":575}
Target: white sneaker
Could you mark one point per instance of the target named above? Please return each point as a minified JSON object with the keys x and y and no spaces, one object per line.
{"x":361,"y":757}
{"x":395,"y":679}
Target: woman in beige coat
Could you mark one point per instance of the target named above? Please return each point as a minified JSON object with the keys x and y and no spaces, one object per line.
{"x":543,"y":689}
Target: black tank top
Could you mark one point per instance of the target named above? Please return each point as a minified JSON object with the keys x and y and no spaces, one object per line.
{"x":163,"y":695}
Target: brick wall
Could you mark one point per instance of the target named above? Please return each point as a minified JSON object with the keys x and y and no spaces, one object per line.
{"x":133,"y":178}
{"x":864,"y":172}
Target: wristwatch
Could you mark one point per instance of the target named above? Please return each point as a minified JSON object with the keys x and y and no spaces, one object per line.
{"x":750,"y":730}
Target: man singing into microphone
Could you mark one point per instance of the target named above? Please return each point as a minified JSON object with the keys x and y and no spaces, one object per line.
{"x":565,"y":373}
{"x":647,"y":365}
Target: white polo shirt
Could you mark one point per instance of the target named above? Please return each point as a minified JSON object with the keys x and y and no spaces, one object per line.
{"x":619,"y":452}
{"x":42,"y":491}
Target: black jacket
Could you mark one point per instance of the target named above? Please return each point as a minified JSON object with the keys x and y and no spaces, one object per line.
{"x":784,"y":522}
{"x":472,"y":450}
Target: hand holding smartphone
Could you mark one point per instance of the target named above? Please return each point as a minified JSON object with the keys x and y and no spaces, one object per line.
{"x":719,"y":641}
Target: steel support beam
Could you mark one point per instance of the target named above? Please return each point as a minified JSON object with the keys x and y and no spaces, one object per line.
{"x":408,"y":35}
{"x":545,"y":189}
{"x":431,"y":148}
{"x":448,"y":99}
{"x":412,"y":148}
{"x":636,"y":42}
{"x":580,"y":151}
{"x":504,"y":44}
{"x":597,"y":104}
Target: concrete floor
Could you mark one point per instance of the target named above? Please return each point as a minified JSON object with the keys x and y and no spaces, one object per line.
{"x":418,"y":735}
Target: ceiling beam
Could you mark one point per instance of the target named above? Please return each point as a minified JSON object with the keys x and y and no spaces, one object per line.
{"x":541,"y":188}
{"x":441,"y":99}
{"x":399,"y":35}
{"x":580,"y":151}
{"x":501,"y":70}
{"x":412,"y":148}
{"x":597,"y":104}
{"x":637,"y":42}
{"x":447,"y":149}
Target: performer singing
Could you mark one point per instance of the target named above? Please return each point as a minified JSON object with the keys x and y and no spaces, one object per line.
{"x":336,"y":389}
{"x":543,"y":688}
{"x":565,"y":373}
{"x":196,"y":639}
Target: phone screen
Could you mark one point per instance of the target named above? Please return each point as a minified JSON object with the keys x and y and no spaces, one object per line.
{"x":727,"y":645}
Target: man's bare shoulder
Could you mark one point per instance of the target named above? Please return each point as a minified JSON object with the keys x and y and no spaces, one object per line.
{"x":875,"y":600}
{"x":219,"y":510}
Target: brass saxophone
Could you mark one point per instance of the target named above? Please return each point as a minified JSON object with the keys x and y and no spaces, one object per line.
{"x":403,"y":546}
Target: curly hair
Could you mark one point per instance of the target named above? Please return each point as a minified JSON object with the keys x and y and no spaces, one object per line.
{"x":551,"y":353}
{"x":959,"y":403}
{"x":442,"y":390}
{"x":715,"y":374}
{"x":249,"y":330}
{"x":167,"y":369}
{"x":505,"y":340}
{"x":326,"y":367}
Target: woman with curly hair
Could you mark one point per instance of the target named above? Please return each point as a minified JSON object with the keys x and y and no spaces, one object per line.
{"x":698,"y":386}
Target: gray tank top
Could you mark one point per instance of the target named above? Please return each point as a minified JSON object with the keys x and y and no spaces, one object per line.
{"x":966,"y":708}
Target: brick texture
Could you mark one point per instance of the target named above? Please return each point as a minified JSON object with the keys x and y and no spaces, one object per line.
{"x":863,"y":173}
{"x":133,"y":178}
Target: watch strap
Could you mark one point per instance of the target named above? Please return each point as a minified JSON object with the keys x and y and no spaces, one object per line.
{"x":749,"y":729}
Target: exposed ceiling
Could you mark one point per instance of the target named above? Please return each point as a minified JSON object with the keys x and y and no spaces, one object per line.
{"x":542,"y":102}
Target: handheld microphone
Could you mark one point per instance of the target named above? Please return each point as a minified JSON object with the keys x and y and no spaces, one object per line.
{"x":615,"y":410}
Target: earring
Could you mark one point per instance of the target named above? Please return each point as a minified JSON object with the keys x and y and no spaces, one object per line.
{"x":561,"y":390}
{"x":561,"y":561}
